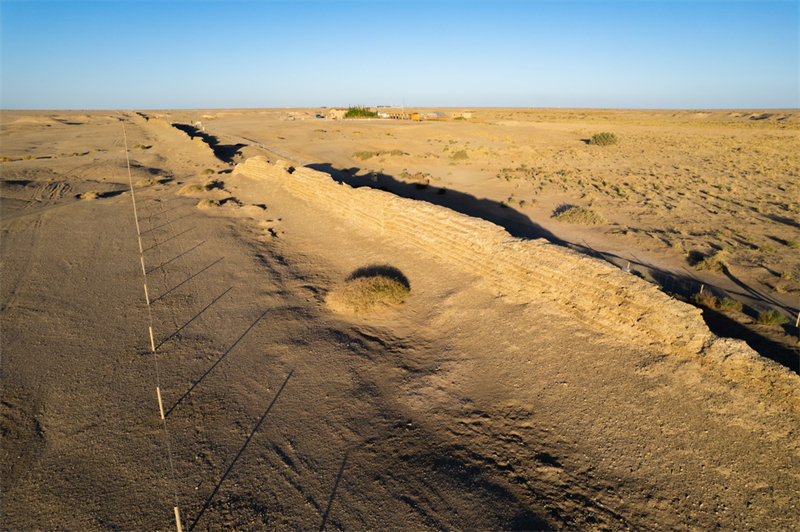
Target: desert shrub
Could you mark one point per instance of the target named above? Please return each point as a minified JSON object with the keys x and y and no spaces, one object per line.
{"x":395,"y":152}
{"x":460,"y":155}
{"x":704,"y":299}
{"x":207,"y":171}
{"x":712,"y":263}
{"x":459,"y":118}
{"x":139,"y":147}
{"x":192,"y":189}
{"x":574,"y":214}
{"x":792,"y":243}
{"x":772,"y":317}
{"x":148,"y":182}
{"x":727,"y":303}
{"x":603,"y":139}
{"x":766,"y":249}
{"x":368,"y":289}
{"x":364,"y":155}
{"x":91,"y":195}
{"x":208,"y":203}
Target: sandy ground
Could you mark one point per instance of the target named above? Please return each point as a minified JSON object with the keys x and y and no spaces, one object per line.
{"x":456,"y":410}
{"x":680,"y":186}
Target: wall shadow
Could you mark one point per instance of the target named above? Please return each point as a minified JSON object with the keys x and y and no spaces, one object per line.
{"x":516,"y":223}
{"x":223,"y":152}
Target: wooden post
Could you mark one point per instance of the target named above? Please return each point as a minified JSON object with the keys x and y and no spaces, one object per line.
{"x":178,"y":519}
{"x":797,"y":321}
{"x":160,"y":404}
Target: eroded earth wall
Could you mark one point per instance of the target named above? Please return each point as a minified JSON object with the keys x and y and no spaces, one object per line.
{"x":594,"y":291}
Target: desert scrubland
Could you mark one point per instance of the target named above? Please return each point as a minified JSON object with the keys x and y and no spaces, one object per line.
{"x":528,"y":381}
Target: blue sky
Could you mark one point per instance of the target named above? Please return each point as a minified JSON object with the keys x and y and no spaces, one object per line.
{"x":224,"y":54}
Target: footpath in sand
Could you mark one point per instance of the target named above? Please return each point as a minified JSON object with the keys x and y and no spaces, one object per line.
{"x":471,"y":406}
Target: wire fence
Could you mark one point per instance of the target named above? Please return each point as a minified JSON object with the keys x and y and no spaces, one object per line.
{"x":154,"y":353}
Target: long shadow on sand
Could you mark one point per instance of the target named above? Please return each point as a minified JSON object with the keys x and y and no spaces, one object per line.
{"x":521,"y":226}
{"x":215,"y":364}
{"x":241,"y":450}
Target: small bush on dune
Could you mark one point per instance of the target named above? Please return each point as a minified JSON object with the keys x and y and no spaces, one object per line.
{"x":712,"y":263}
{"x":603,"y":139}
{"x":192,"y":189}
{"x":364,"y":155}
{"x":207,"y":171}
{"x":369,"y":289}
{"x":772,"y":317}
{"x":578,"y":215}
{"x":792,"y":243}
{"x":91,"y":195}
{"x":208,"y":204}
{"x":148,"y":182}
{"x":460,"y":155}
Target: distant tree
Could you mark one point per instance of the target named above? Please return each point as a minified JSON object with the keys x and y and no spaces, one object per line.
{"x":359,"y":112}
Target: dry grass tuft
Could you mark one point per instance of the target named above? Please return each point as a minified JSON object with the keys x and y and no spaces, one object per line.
{"x":91,"y":195}
{"x":578,"y":215}
{"x":705,"y":299}
{"x":149,"y":182}
{"x":369,"y":289}
{"x":712,"y":263}
{"x":208,"y":204}
{"x":192,"y":189}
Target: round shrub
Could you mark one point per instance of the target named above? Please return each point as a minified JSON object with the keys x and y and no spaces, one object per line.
{"x":603,"y":139}
{"x":772,"y":317}
{"x":369,"y":289}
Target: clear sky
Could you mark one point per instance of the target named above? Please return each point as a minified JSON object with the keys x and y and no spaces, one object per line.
{"x":224,"y":54}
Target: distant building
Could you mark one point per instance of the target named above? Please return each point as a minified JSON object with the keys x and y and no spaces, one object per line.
{"x":336,"y":113}
{"x":463,"y":114}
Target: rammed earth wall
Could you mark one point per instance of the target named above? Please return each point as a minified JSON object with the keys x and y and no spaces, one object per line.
{"x":594,"y":291}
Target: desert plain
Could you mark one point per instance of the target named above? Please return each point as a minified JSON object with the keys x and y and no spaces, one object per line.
{"x":540,"y":374}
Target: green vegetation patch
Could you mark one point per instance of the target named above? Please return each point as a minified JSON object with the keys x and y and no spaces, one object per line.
{"x":359,"y":112}
{"x":729,"y":304}
{"x":772,"y":317}
{"x":364,"y":155}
